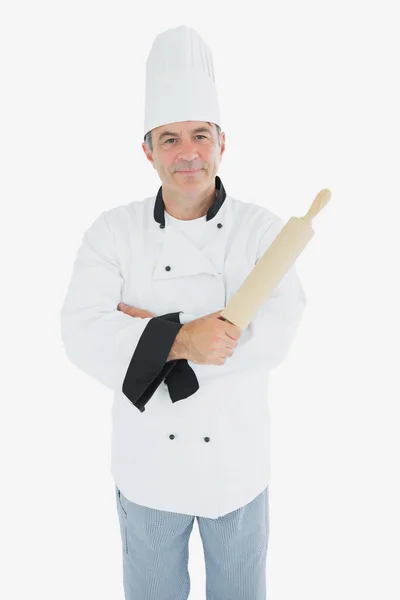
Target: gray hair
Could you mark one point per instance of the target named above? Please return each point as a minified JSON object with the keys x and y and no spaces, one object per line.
{"x":149,"y":141}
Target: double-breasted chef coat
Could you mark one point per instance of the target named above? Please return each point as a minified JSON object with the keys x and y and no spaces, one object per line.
{"x":186,"y":438}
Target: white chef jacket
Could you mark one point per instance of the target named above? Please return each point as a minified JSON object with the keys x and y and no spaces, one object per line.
{"x":186,"y":438}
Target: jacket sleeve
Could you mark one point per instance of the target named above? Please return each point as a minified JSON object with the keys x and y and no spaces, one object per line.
{"x":269,"y":337}
{"x":122,"y":352}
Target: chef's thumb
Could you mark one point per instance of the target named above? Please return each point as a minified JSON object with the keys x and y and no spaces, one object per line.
{"x":216,"y":314}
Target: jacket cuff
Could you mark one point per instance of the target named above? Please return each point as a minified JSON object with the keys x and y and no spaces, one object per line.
{"x":181,"y":381}
{"x":174,"y":316}
{"x":148,"y":367}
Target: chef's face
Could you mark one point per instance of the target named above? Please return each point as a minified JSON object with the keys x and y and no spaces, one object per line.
{"x":186,"y":146}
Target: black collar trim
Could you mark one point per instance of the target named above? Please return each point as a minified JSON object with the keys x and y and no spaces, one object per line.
{"x":159,"y":206}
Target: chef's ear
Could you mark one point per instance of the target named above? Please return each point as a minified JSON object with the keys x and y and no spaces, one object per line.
{"x":148,"y":154}
{"x":222,"y":145}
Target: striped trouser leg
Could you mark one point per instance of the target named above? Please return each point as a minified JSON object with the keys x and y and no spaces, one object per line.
{"x":235,"y":552}
{"x":155,"y":551}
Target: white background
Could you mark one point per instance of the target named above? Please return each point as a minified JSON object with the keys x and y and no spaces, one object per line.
{"x":309,"y":100}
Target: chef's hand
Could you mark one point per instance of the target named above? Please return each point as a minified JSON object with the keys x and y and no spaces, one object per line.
{"x":209,"y":340}
{"x":132,"y":311}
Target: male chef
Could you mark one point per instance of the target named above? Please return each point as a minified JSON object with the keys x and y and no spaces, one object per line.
{"x":190,"y":417}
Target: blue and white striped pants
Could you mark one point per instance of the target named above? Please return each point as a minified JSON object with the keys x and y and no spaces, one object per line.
{"x":155,"y":551}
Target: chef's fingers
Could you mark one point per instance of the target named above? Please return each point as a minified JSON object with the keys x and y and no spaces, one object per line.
{"x":124,"y":307}
{"x":232,"y":331}
{"x":132,"y":311}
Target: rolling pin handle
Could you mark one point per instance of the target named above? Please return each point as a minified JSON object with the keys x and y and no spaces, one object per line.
{"x":320,"y":200}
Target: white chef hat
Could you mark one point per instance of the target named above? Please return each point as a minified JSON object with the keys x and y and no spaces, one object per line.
{"x":180,"y":81}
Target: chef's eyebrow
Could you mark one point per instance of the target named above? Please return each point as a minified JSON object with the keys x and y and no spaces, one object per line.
{"x":174,"y":134}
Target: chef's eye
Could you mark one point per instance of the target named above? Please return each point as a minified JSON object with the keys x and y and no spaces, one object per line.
{"x":173,"y":139}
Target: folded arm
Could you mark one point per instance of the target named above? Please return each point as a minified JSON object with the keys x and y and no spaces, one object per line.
{"x":122,"y":352}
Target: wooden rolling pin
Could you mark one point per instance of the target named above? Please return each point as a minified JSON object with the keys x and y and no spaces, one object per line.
{"x":276,"y":261}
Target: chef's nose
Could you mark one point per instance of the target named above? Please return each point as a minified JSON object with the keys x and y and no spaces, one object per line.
{"x":188,"y":149}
